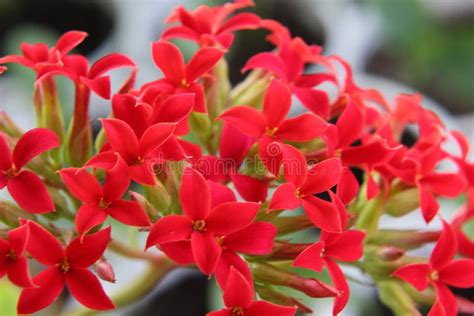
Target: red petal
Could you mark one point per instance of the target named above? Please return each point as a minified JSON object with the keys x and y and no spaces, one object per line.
{"x":117,"y":180}
{"x":317,"y":101}
{"x":270,"y":153}
{"x":349,"y":124}
{"x":222,"y":312}
{"x":340,"y":283}
{"x":33,"y":143}
{"x":428,"y":204}
{"x":266,"y":308}
{"x":18,"y":273}
{"x":237,"y":291}
{"x":276,"y":104}
{"x":323,"y":214}
{"x":323,"y":176}
{"x":458,"y":273}
{"x":445,"y":249}
{"x":82,"y":184}
{"x":5,"y":155}
{"x":247,"y":120}
{"x":100,"y":85}
{"x":284,"y":198}
{"x":241,"y":21}
{"x":143,"y":173}
{"x":50,"y":284}
{"x":416,"y":274}
{"x":311,"y":258}
{"x":180,"y":32}
{"x":249,"y":188}
{"x":109,"y":62}
{"x":347,"y":246}
{"x":170,"y":228}
{"x":43,"y":246}
{"x":230,"y":260}
{"x":302,"y":128}
{"x":267,"y":61}
{"x":122,"y":138}
{"x":170,"y":61}
{"x":88,"y":217}
{"x":194,"y":195}
{"x":206,"y":251}
{"x":84,"y":253}
{"x":129,"y":213}
{"x":220,"y":193}
{"x":175,"y":108}
{"x":178,"y":251}
{"x":199,"y":96}
{"x":348,"y":186}
{"x":69,"y":40}
{"x":445,"y":304}
{"x":446,"y":184}
{"x":230,"y":217}
{"x":30,"y":193}
{"x":154,"y":137}
{"x":18,"y":238}
{"x":202,"y":62}
{"x":255,"y":239}
{"x":233,"y":145}
{"x":294,"y":165}
{"x":86,"y":288}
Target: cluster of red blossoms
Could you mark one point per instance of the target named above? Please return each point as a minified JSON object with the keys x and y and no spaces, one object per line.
{"x":217,"y":170}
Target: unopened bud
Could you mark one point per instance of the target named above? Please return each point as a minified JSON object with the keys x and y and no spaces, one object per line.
{"x":390,"y":253}
{"x":9,"y":214}
{"x":407,"y":239}
{"x":393,"y":295}
{"x":270,"y":294}
{"x":403,"y":202}
{"x":251,"y":91}
{"x":217,"y":89}
{"x":290,"y":224}
{"x":286,"y":251}
{"x":158,"y":197}
{"x":269,"y":274}
{"x":104,"y":270}
{"x":147,"y":206}
{"x":8,"y":127}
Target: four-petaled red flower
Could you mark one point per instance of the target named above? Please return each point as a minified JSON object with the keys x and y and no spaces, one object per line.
{"x":345,"y":247}
{"x":65,"y":266}
{"x":13,"y":262}
{"x":442,"y":271}
{"x":181,"y":77}
{"x":201,"y":224}
{"x":210,"y":26}
{"x":272,"y":125}
{"x":100,"y":201}
{"x":26,"y":188}
{"x":239,"y":300}
{"x":303,"y":184}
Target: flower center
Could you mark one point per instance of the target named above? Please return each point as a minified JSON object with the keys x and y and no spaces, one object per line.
{"x":272,"y":131}
{"x":220,"y":240}
{"x":323,"y":250}
{"x":11,"y":173}
{"x":237,"y":311}
{"x":64,"y":266}
{"x":103,"y":204}
{"x":299,"y":194}
{"x":185,"y":83}
{"x":434,"y":276}
{"x":12,"y":255}
{"x":199,"y":225}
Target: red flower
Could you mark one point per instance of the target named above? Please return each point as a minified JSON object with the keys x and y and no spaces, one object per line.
{"x":271,"y":124}
{"x":201,"y":223}
{"x":288,"y":65}
{"x":442,"y":271}
{"x":346,"y":247}
{"x":65,"y":266}
{"x":26,"y":188}
{"x":102,"y":201}
{"x":209,"y":26}
{"x":302,"y":185}
{"x":12,"y":257}
{"x":39,"y":55}
{"x":138,"y":153}
{"x":239,"y":300}
{"x":180,"y":77}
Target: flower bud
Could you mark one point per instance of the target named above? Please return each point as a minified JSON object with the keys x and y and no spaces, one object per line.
{"x":291,"y":224}
{"x":269,"y":293}
{"x":147,"y":206}
{"x":286,"y":251}
{"x":9,"y":214}
{"x":312,"y":287}
{"x":217,"y":89}
{"x":9,"y":127}
{"x":390,"y":253}
{"x":251,"y":91}
{"x":403,"y":202}
{"x":406,"y":239}
{"x":158,"y":198}
{"x":104,"y":270}
{"x":393,"y":295}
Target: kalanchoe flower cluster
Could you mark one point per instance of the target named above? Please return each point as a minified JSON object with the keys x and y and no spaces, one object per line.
{"x":218,"y":177}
